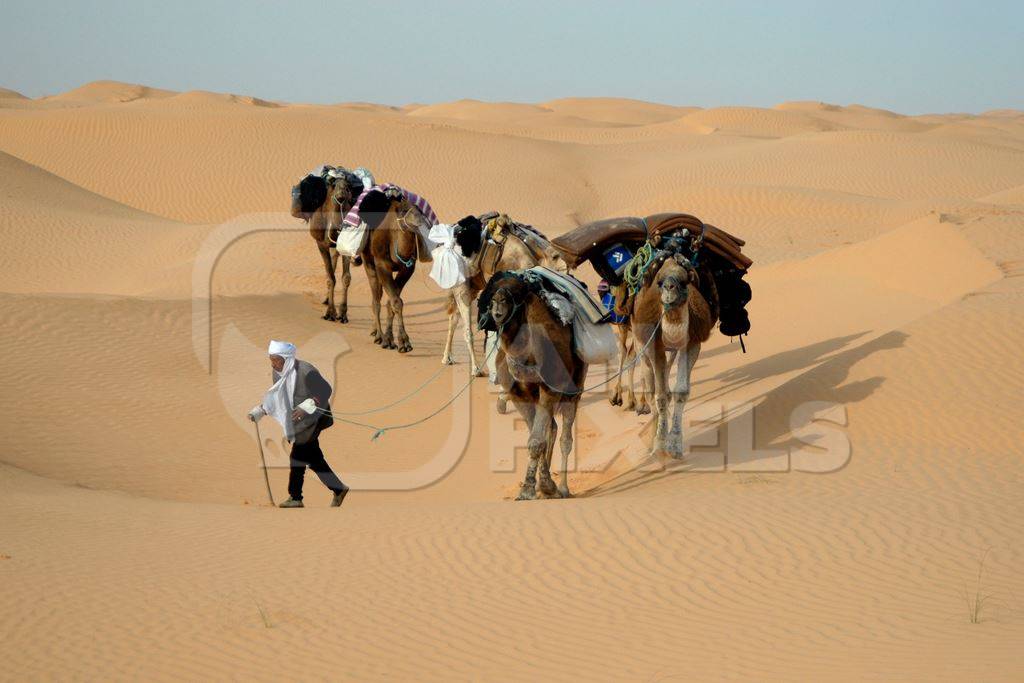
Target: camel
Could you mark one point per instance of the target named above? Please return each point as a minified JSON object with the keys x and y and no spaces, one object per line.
{"x":314,"y":201}
{"x":389,"y":257}
{"x":488,"y":250}
{"x":540,"y":371}
{"x":672,"y":313}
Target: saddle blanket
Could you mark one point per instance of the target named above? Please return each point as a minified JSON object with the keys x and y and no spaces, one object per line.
{"x":352,"y":218}
{"x":573,"y":290}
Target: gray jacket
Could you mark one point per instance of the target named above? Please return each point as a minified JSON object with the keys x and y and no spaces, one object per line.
{"x":309,"y":383}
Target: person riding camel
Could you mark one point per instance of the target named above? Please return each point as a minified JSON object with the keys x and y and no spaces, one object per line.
{"x":299,"y":401}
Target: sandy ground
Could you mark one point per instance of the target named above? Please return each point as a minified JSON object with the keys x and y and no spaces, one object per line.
{"x":135,"y":541}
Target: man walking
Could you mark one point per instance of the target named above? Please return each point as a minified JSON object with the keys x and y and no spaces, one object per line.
{"x":299,"y":400}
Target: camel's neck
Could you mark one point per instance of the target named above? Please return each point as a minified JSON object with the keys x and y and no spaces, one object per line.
{"x":401,"y":238}
{"x":515,"y":338}
{"x":318,"y":225}
{"x":679,"y":313}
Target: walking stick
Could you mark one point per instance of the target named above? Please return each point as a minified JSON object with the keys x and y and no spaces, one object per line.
{"x":263,"y":460}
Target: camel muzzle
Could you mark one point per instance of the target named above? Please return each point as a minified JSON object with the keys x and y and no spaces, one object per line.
{"x":673,"y":292}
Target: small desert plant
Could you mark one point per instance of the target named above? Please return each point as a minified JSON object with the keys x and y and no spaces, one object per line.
{"x":263,"y":614}
{"x":976,"y":599}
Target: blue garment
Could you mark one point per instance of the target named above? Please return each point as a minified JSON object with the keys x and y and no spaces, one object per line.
{"x":608,"y":299}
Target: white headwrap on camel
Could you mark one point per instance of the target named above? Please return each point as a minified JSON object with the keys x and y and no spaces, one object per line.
{"x":277,"y":402}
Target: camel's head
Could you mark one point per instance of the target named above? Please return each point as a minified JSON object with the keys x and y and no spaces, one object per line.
{"x":502,"y":301}
{"x":343,"y":189}
{"x":309,"y":195}
{"x":673,"y":280}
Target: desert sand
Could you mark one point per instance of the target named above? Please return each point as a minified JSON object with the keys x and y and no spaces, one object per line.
{"x":135,"y":538}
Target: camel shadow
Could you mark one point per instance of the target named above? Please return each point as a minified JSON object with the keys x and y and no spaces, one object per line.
{"x":772,"y":431}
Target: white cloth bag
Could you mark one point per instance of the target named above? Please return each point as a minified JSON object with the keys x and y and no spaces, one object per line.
{"x":351,"y":239}
{"x":449,"y":269}
{"x":595,"y":342}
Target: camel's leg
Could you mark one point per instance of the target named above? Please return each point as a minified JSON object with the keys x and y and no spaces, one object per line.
{"x":568,"y":419}
{"x":346,"y":280}
{"x":387,"y":337}
{"x":453,"y":320}
{"x":629,"y":377}
{"x":643,"y":406}
{"x":330,"y":265}
{"x":629,"y":402}
{"x":655,"y":357}
{"x":528,"y":411}
{"x":670,"y":360}
{"x":376,"y":292}
{"x":394,"y":289}
{"x":465,"y":304}
{"x":680,"y":393}
{"x":620,"y":334}
{"x":499,"y":361}
{"x":544,"y":481}
{"x":537,"y":443}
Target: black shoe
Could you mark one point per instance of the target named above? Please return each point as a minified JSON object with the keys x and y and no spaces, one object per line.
{"x":339,"y":498}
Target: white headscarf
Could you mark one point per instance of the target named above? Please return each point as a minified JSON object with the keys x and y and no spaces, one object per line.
{"x":277,"y":402}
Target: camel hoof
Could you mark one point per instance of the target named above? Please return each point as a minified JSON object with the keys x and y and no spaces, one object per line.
{"x":377,"y":340}
{"x":564,"y":493}
{"x":343,"y":318}
{"x":527,"y":494}
{"x":480,"y":372}
{"x":405,"y":348}
{"x":329,"y":315}
{"x":448,"y":361}
{"x":502,"y":406}
{"x":675,"y":450}
{"x":548,"y":488}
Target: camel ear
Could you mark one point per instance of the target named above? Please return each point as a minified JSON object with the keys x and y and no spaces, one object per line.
{"x":694,"y":277}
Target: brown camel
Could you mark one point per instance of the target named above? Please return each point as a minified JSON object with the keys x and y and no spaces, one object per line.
{"x":540,"y":371}
{"x":490,"y":246}
{"x":312,"y":202}
{"x":389,"y":257}
{"x":672,"y":314}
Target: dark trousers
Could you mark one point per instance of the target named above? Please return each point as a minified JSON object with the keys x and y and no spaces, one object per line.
{"x":309,"y":455}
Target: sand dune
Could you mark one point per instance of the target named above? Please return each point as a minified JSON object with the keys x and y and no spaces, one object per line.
{"x":135,"y":539}
{"x":111,"y":92}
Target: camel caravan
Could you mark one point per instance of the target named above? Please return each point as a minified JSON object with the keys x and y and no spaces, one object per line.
{"x":666,"y":281}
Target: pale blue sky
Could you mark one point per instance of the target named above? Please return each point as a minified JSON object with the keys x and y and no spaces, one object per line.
{"x":913,"y":57}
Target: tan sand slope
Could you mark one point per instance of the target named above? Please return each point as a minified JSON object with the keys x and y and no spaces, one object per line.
{"x":134,"y":538}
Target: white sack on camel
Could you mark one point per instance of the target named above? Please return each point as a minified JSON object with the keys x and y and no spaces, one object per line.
{"x":449,"y":269}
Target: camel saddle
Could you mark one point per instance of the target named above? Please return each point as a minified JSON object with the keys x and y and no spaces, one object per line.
{"x":593,"y":241}
{"x":497,"y":228}
{"x":587,"y":241}
{"x":611,"y":244}
{"x":715,"y":239}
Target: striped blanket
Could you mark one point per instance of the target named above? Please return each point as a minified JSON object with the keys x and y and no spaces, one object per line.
{"x":352,"y":219}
